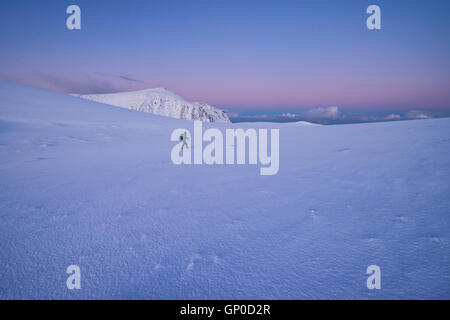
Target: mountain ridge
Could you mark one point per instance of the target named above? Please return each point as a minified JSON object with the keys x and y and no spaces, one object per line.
{"x":162,"y":102}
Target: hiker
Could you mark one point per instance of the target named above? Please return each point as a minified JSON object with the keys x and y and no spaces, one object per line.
{"x":184,"y":138}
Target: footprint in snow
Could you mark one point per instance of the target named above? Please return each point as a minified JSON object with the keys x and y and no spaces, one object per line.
{"x":435,"y":239}
{"x":47,"y":144}
{"x":344,"y":150}
{"x":143,"y":237}
{"x":59,"y":124}
{"x":370,"y":238}
{"x":75,"y":139}
{"x":39,"y":159}
{"x":194,"y":258}
{"x":216,"y":259}
{"x":162,"y":211}
{"x":199,"y":259}
{"x":314,"y":214}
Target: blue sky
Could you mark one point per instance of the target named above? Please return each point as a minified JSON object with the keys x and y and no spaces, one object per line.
{"x":247,"y":56}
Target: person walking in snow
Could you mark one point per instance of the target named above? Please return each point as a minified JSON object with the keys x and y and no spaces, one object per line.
{"x":184,"y":138}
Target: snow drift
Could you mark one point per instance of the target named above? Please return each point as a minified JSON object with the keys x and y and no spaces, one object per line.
{"x":161,"y":102}
{"x":83,"y":183}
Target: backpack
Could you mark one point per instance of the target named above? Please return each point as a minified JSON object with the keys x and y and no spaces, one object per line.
{"x":181,"y":138}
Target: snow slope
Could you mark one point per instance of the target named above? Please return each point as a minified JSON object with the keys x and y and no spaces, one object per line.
{"x":306,"y":124}
{"x":162,"y":102}
{"x":92,"y":185}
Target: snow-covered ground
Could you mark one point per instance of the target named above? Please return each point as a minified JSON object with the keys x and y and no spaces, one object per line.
{"x":162,"y":102}
{"x":92,"y":185}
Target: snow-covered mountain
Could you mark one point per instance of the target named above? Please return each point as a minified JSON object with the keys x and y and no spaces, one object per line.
{"x":162,"y":102}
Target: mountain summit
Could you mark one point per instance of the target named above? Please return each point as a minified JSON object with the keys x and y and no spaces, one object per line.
{"x":162,"y":102}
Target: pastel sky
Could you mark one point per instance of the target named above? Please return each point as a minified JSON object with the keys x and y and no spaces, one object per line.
{"x":236,"y":54}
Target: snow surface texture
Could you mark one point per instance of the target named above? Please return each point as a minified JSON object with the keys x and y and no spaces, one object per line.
{"x":161,"y":102}
{"x":92,"y":185}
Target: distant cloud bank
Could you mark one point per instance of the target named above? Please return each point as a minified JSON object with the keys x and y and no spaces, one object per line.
{"x":328,"y":115}
{"x":323,"y":113}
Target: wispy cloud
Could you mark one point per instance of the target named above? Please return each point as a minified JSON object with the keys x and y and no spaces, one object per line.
{"x":417,"y":114}
{"x":96,"y":82}
{"x":122,"y":76}
{"x":393,"y":116}
{"x":323,"y":113}
{"x":67,"y":85}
